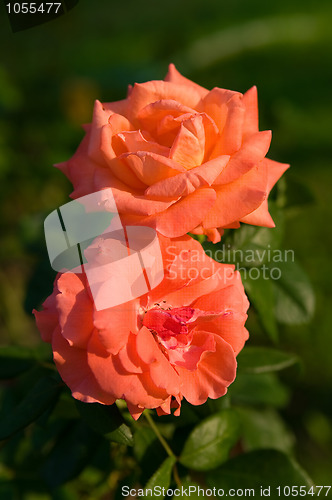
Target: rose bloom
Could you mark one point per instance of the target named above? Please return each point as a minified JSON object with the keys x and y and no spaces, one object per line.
{"x":180,"y":340}
{"x":179,"y":158}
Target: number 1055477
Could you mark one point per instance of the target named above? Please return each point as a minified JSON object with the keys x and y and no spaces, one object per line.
{"x":33,"y":7}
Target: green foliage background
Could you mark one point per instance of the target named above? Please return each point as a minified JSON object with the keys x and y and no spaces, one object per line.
{"x":49,"y":78}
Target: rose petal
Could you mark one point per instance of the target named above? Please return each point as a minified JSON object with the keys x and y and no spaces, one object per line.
{"x":80,"y":169}
{"x":146,"y":93}
{"x":216,"y":105}
{"x":187,"y":182}
{"x":151,"y":115}
{"x":251,"y":153}
{"x":117,"y":166}
{"x":161,"y":371}
{"x":47,"y":319}
{"x":75,"y":309}
{"x":229,"y":298}
{"x":137,"y":389}
{"x":189,"y":146}
{"x":174,"y":76}
{"x":230,"y":326}
{"x":127,"y":201}
{"x":134,"y":141}
{"x":232,"y":133}
{"x":215,"y":372}
{"x":250,"y":124}
{"x":188,"y":358}
{"x":114,"y":325}
{"x":239,"y":198}
{"x":185,"y":214}
{"x":152,"y":168}
{"x":104,"y":113}
{"x":75,"y":372}
{"x":261,"y":216}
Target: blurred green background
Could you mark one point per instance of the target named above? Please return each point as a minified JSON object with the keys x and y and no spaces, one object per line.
{"x":50,"y":76}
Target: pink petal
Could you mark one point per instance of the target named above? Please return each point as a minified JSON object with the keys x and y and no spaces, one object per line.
{"x":104,"y":114}
{"x":185,"y":214}
{"x":47,"y":319}
{"x":146,"y":93}
{"x":174,"y":76}
{"x":134,"y":141}
{"x":251,"y":153}
{"x":187,"y":182}
{"x":189,"y":146}
{"x":46,"y":323}
{"x":129,"y":358}
{"x":117,"y":166}
{"x":188,"y":358}
{"x":230,"y":326}
{"x":261,"y":216}
{"x":229,"y":298}
{"x":136,"y":389}
{"x":126,"y":200}
{"x":80,"y":169}
{"x":216,"y":104}
{"x":75,"y":372}
{"x":161,"y":371}
{"x":215,"y":372}
{"x":250,"y":125}
{"x":100,"y":118}
{"x":274,"y":171}
{"x":75,"y":309}
{"x":232,"y":133}
{"x":152,"y":114}
{"x":151,"y":168}
{"x":237,"y":199}
{"x":135,"y":410}
{"x":115,"y":324}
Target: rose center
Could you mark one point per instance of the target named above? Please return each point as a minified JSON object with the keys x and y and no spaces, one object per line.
{"x":170,"y":326}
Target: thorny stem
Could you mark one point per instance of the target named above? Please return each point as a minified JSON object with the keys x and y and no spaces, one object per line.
{"x":165,"y":445}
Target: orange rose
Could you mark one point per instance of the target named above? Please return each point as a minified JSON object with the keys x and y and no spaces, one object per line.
{"x":178,"y":341}
{"x":179,"y":158}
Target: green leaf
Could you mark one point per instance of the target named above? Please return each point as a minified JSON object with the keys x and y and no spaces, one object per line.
{"x":295,"y":299}
{"x":148,"y":451}
{"x":264,"y":360}
{"x":266,"y":469}
{"x":71,"y":453}
{"x":106,"y":420}
{"x":264,"y":428}
{"x":14,"y":360}
{"x":36,"y":402}
{"x":209,"y":443}
{"x":145,"y":438}
{"x":162,"y":476}
{"x":258,"y":389}
{"x":261,"y":295}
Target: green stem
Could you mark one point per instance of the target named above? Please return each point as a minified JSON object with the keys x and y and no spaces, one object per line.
{"x":165,"y":445}
{"x":157,"y":433}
